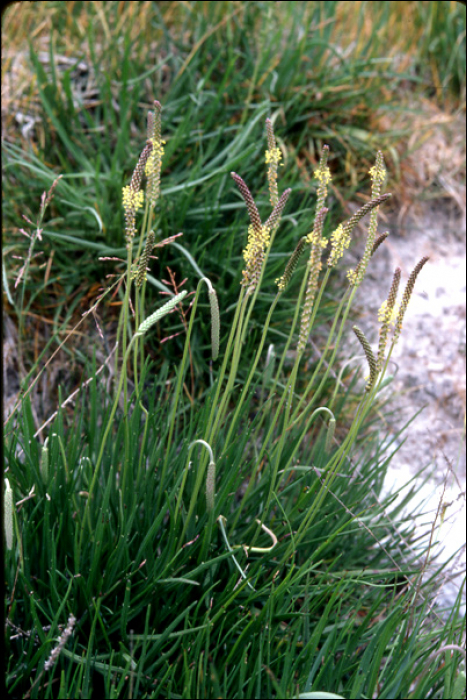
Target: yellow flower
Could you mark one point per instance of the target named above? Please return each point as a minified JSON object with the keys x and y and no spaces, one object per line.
{"x":323,"y":175}
{"x":132,"y":200}
{"x":319,"y":241}
{"x":280,"y":282}
{"x":378,"y":173}
{"x":386,"y":315}
{"x":155,"y":156}
{"x":257,"y":242}
{"x":340,"y":240}
{"x":273,"y":156}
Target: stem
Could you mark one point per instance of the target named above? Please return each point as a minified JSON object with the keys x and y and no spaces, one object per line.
{"x":126,"y":303}
{"x":177,"y":395}
{"x":236,"y":353}
{"x":228,"y":350}
{"x":253,"y":369}
{"x":104,"y":439}
{"x":333,"y":356}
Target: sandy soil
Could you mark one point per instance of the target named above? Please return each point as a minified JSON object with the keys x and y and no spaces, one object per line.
{"x":429,"y":370}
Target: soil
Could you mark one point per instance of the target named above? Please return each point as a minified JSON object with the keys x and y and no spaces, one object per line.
{"x":429,"y":373}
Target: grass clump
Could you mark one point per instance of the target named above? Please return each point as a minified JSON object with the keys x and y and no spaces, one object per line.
{"x":232,"y":543}
{"x":324,"y":65}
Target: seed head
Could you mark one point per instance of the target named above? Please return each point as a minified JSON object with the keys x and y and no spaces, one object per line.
{"x":340,"y":241}
{"x":386,"y":316}
{"x":283,"y":281}
{"x":258,"y":235}
{"x":314,"y":268}
{"x":154,"y":163}
{"x":369,"y":356}
{"x":276,"y":213}
{"x":323,"y":174}
{"x":8,"y":514}
{"x":210,"y":486}
{"x":353,"y":274}
{"x":253,"y":212}
{"x":378,"y":175}
{"x":274,"y":156}
{"x":157,"y":315}
{"x":253,"y":255}
{"x":315,"y":237}
{"x":55,"y":653}
{"x":330,"y":435}
{"x":273,"y":159}
{"x":143,"y":261}
{"x":406,"y":296}
{"x":44,"y":463}
{"x":133,"y":197}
